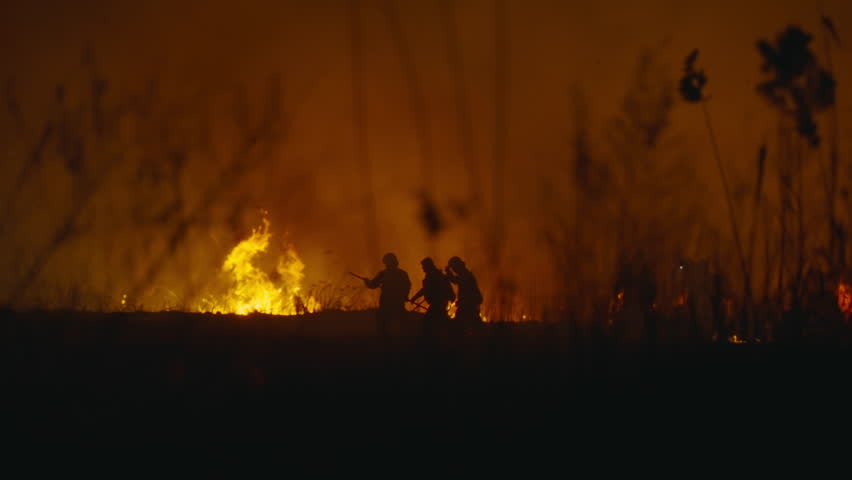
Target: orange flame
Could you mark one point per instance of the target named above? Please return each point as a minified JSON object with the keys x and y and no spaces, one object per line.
{"x":252,"y":290}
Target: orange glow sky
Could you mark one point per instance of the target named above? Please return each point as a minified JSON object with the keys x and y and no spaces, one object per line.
{"x":555,"y":48}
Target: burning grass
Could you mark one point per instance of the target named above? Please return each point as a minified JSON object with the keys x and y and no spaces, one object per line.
{"x":250,"y":289}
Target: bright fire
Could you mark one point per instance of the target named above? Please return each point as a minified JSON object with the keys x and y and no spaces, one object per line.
{"x":251,"y":289}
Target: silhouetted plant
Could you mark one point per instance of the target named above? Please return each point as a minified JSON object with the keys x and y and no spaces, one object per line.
{"x":125,"y":156}
{"x":430,"y":216}
{"x":692,"y":90}
{"x":798,"y":85}
{"x":693,"y":81}
{"x":799,"y":88}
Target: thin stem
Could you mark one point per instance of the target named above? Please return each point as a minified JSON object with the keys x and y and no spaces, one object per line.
{"x":833,"y":164}
{"x":500,"y":89}
{"x":728,"y":199}
{"x":359,"y":114}
{"x":454,"y":57}
{"x":417,"y":96}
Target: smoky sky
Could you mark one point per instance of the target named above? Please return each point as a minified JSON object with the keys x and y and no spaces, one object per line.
{"x":555,"y":52}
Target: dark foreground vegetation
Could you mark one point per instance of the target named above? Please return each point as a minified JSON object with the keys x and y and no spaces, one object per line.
{"x":325,"y":381}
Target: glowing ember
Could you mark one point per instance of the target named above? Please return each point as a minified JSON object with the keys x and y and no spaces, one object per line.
{"x":252,"y":290}
{"x":617,"y":304}
{"x":844,"y":298}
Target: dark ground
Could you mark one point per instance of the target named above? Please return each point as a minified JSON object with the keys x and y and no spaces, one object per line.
{"x":324,"y":381}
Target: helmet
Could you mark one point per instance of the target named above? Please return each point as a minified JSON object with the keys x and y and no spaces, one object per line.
{"x":456,"y":263}
{"x":390,"y":260}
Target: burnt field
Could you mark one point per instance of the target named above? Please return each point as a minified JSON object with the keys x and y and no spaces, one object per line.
{"x":326,"y":379}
